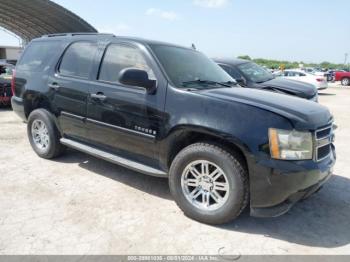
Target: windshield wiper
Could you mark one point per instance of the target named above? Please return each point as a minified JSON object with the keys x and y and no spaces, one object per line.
{"x":272,"y":89}
{"x":269,"y":79}
{"x":205,"y":82}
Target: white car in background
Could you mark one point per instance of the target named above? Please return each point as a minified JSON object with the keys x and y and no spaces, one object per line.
{"x":319,"y":81}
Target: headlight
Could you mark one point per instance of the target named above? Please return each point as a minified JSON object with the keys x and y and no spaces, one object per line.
{"x":290,"y":145}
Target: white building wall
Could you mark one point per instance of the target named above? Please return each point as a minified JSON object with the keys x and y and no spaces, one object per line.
{"x":13,"y":53}
{"x":10,"y":53}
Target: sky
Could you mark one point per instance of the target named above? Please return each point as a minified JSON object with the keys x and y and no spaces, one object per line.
{"x":298,"y":30}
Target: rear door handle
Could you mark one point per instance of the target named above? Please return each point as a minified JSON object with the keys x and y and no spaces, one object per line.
{"x":54,"y":86}
{"x":99,"y":96}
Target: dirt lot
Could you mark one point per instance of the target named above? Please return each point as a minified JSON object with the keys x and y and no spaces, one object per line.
{"x":81,"y":205}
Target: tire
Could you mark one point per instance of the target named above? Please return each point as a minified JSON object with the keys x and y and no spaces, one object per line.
{"x":345,"y":81}
{"x":214,"y":212}
{"x":47,"y":145}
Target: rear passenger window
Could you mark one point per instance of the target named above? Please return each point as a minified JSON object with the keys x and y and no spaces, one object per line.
{"x":119,"y":57}
{"x":37,"y":55}
{"x":77,"y":61}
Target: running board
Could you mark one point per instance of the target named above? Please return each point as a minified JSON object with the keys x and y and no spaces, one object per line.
{"x":113,"y":158}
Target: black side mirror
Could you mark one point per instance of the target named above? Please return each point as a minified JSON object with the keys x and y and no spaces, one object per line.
{"x":137,"y":77}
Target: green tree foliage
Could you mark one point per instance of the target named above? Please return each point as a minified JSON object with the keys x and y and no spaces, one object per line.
{"x":245,"y":57}
{"x":276,"y":64}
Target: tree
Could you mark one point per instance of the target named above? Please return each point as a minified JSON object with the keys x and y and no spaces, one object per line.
{"x":245,"y":57}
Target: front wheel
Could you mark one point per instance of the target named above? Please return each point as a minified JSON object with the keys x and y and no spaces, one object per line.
{"x":345,"y":81}
{"x":209,"y":184}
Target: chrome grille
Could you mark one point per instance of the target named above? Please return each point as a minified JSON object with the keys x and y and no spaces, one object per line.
{"x":323,"y":142}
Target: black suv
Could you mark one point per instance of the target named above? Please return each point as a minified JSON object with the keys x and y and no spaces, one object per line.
{"x":170,"y":111}
{"x":251,"y":75}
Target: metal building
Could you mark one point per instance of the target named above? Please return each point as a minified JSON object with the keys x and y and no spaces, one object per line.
{"x":29,"y":19}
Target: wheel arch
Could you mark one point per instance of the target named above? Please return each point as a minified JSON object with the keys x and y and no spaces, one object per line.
{"x":183,"y":136}
{"x":33,"y":101}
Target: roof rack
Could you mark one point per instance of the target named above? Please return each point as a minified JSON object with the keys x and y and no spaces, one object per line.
{"x":75,"y":34}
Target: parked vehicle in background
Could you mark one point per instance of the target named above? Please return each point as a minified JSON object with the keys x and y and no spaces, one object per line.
{"x":343,"y":77}
{"x":6,"y":73}
{"x":169,"y":111}
{"x":251,"y":75}
{"x":314,"y":71}
{"x":319,"y":81}
{"x":330,"y":75}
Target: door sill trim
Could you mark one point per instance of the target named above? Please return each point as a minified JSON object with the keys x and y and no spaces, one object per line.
{"x":115,"y":159}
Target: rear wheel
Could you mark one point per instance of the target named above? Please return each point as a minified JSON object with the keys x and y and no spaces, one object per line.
{"x":43,"y":134}
{"x":209,"y":184}
{"x":345,"y":81}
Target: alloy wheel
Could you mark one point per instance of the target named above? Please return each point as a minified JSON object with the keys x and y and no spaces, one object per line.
{"x":40,"y":135}
{"x":205,"y":185}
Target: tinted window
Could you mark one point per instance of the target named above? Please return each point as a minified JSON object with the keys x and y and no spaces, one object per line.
{"x":184,"y":65}
{"x":77,"y":61}
{"x":291,"y":73}
{"x":232,"y":71}
{"x":37,"y":55}
{"x":255,"y":73}
{"x":119,"y":57}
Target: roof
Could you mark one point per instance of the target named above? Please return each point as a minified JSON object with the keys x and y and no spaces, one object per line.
{"x":34,"y":18}
{"x":107,"y":37}
{"x":231,"y":61}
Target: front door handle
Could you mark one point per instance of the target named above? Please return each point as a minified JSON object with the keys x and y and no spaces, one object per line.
{"x":54,"y":86}
{"x":99,"y":96}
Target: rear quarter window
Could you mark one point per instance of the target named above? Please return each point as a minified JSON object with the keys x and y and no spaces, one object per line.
{"x":36,"y":56}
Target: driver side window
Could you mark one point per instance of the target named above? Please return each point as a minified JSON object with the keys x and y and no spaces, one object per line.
{"x":119,"y":57}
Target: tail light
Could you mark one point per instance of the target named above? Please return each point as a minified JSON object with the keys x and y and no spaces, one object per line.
{"x":319,"y":79}
{"x":13,"y":82}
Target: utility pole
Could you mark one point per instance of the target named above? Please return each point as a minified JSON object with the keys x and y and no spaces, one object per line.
{"x":346,"y":60}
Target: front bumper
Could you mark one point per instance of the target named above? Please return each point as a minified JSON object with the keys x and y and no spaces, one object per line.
{"x":5,"y":94}
{"x":277,"y":185}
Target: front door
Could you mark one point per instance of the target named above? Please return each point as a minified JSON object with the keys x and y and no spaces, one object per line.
{"x":125,"y":119}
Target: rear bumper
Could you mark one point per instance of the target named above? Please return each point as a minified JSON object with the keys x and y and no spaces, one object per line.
{"x":322,"y":85}
{"x":18,"y":107}
{"x":277,"y":185}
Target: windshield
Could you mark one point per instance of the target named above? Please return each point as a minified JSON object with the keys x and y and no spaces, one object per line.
{"x":255,"y":73}
{"x":185,"y":66}
{"x":5,"y":71}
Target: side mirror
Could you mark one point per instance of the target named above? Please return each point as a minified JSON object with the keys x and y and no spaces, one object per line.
{"x":137,"y":77}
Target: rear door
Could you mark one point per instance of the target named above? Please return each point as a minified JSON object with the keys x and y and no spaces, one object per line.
{"x":70,"y":87}
{"x":126,"y":119}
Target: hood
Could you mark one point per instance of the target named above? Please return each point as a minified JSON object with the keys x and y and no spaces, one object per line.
{"x":302,"y":113}
{"x":293,"y":87}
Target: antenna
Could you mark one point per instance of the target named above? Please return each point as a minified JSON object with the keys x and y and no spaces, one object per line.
{"x":194,"y":47}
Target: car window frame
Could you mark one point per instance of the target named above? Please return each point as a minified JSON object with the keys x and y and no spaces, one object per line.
{"x":27,"y":49}
{"x":118,"y":84}
{"x":57,"y":69}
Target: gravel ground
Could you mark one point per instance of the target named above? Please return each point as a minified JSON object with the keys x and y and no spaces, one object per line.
{"x":78,"y":204}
